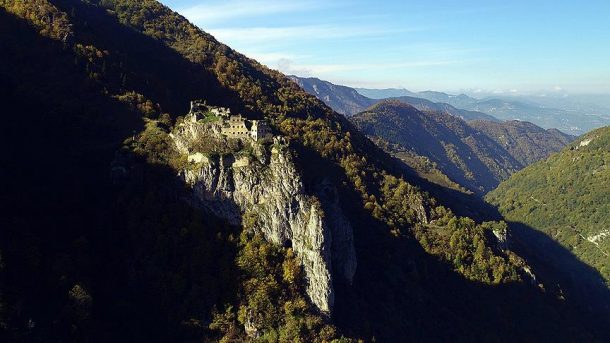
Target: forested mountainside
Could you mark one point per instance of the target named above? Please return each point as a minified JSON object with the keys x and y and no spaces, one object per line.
{"x":348,"y":101}
{"x":476,"y":154}
{"x":526,"y":142}
{"x":112,"y":233}
{"x":464,"y":154}
{"x":567,"y":198}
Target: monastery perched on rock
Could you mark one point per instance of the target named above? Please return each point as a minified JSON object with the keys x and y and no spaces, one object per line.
{"x":221,"y":121}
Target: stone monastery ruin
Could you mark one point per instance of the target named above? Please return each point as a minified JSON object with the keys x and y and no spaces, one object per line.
{"x":221,"y":121}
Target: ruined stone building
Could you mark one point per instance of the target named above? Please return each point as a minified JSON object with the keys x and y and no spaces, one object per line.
{"x":260,"y":130}
{"x":236,"y":127}
{"x":220,"y":120}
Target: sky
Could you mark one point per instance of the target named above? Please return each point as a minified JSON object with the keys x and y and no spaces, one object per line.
{"x":512,"y":47}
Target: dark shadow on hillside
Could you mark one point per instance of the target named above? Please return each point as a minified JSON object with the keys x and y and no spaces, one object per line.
{"x":462,"y":204}
{"x":577,"y":280}
{"x":401,"y":293}
{"x":87,"y":256}
{"x":143,"y":64}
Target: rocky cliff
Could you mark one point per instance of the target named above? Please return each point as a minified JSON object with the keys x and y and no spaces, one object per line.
{"x":263,"y":191}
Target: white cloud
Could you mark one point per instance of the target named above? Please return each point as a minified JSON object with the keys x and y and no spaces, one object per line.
{"x":257,"y":35}
{"x":272,"y":57}
{"x":232,"y":9}
{"x":290,"y":67}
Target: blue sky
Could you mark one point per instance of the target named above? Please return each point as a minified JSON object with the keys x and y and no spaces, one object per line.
{"x":490,"y":46}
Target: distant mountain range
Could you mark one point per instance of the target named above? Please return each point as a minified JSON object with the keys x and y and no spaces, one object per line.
{"x":342,"y":99}
{"x":348,"y":101}
{"x":573,"y":117}
{"x":471,"y":148}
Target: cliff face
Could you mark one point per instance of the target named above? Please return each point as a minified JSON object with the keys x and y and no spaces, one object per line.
{"x":265,"y":187}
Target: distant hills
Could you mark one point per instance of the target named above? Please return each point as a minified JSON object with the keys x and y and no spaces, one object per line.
{"x":471,"y":148}
{"x":427,"y":105}
{"x":572,"y":117}
{"x":567,"y":198}
{"x":348,"y":101}
{"x":526,"y":142}
{"x":476,"y":156}
{"x":342,"y":99}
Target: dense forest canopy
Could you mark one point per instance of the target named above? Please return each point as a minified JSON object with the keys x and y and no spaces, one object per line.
{"x":567,"y":197}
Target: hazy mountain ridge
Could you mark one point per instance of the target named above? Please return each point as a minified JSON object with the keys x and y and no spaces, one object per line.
{"x":547,"y":113}
{"x":502,"y":148}
{"x":348,"y":101}
{"x":523,"y":141}
{"x":427,"y":105}
{"x":342,"y":99}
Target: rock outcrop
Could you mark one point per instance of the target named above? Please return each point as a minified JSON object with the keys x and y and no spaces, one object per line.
{"x":265,"y":186}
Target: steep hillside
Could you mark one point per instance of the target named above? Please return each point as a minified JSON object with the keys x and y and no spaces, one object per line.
{"x":566,"y":197}
{"x":122,"y":223}
{"x":466,"y":155}
{"x":342,"y":99}
{"x":526,"y":142}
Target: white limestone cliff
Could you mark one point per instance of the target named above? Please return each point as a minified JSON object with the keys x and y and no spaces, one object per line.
{"x":267,"y":185}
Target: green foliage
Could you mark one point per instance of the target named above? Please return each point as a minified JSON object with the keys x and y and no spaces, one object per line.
{"x":139,"y":103}
{"x":466,"y":245}
{"x":526,"y":142}
{"x":271,"y":305}
{"x":154,"y":144}
{"x":422,"y":165}
{"x":48,"y":19}
{"x":567,"y":197}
